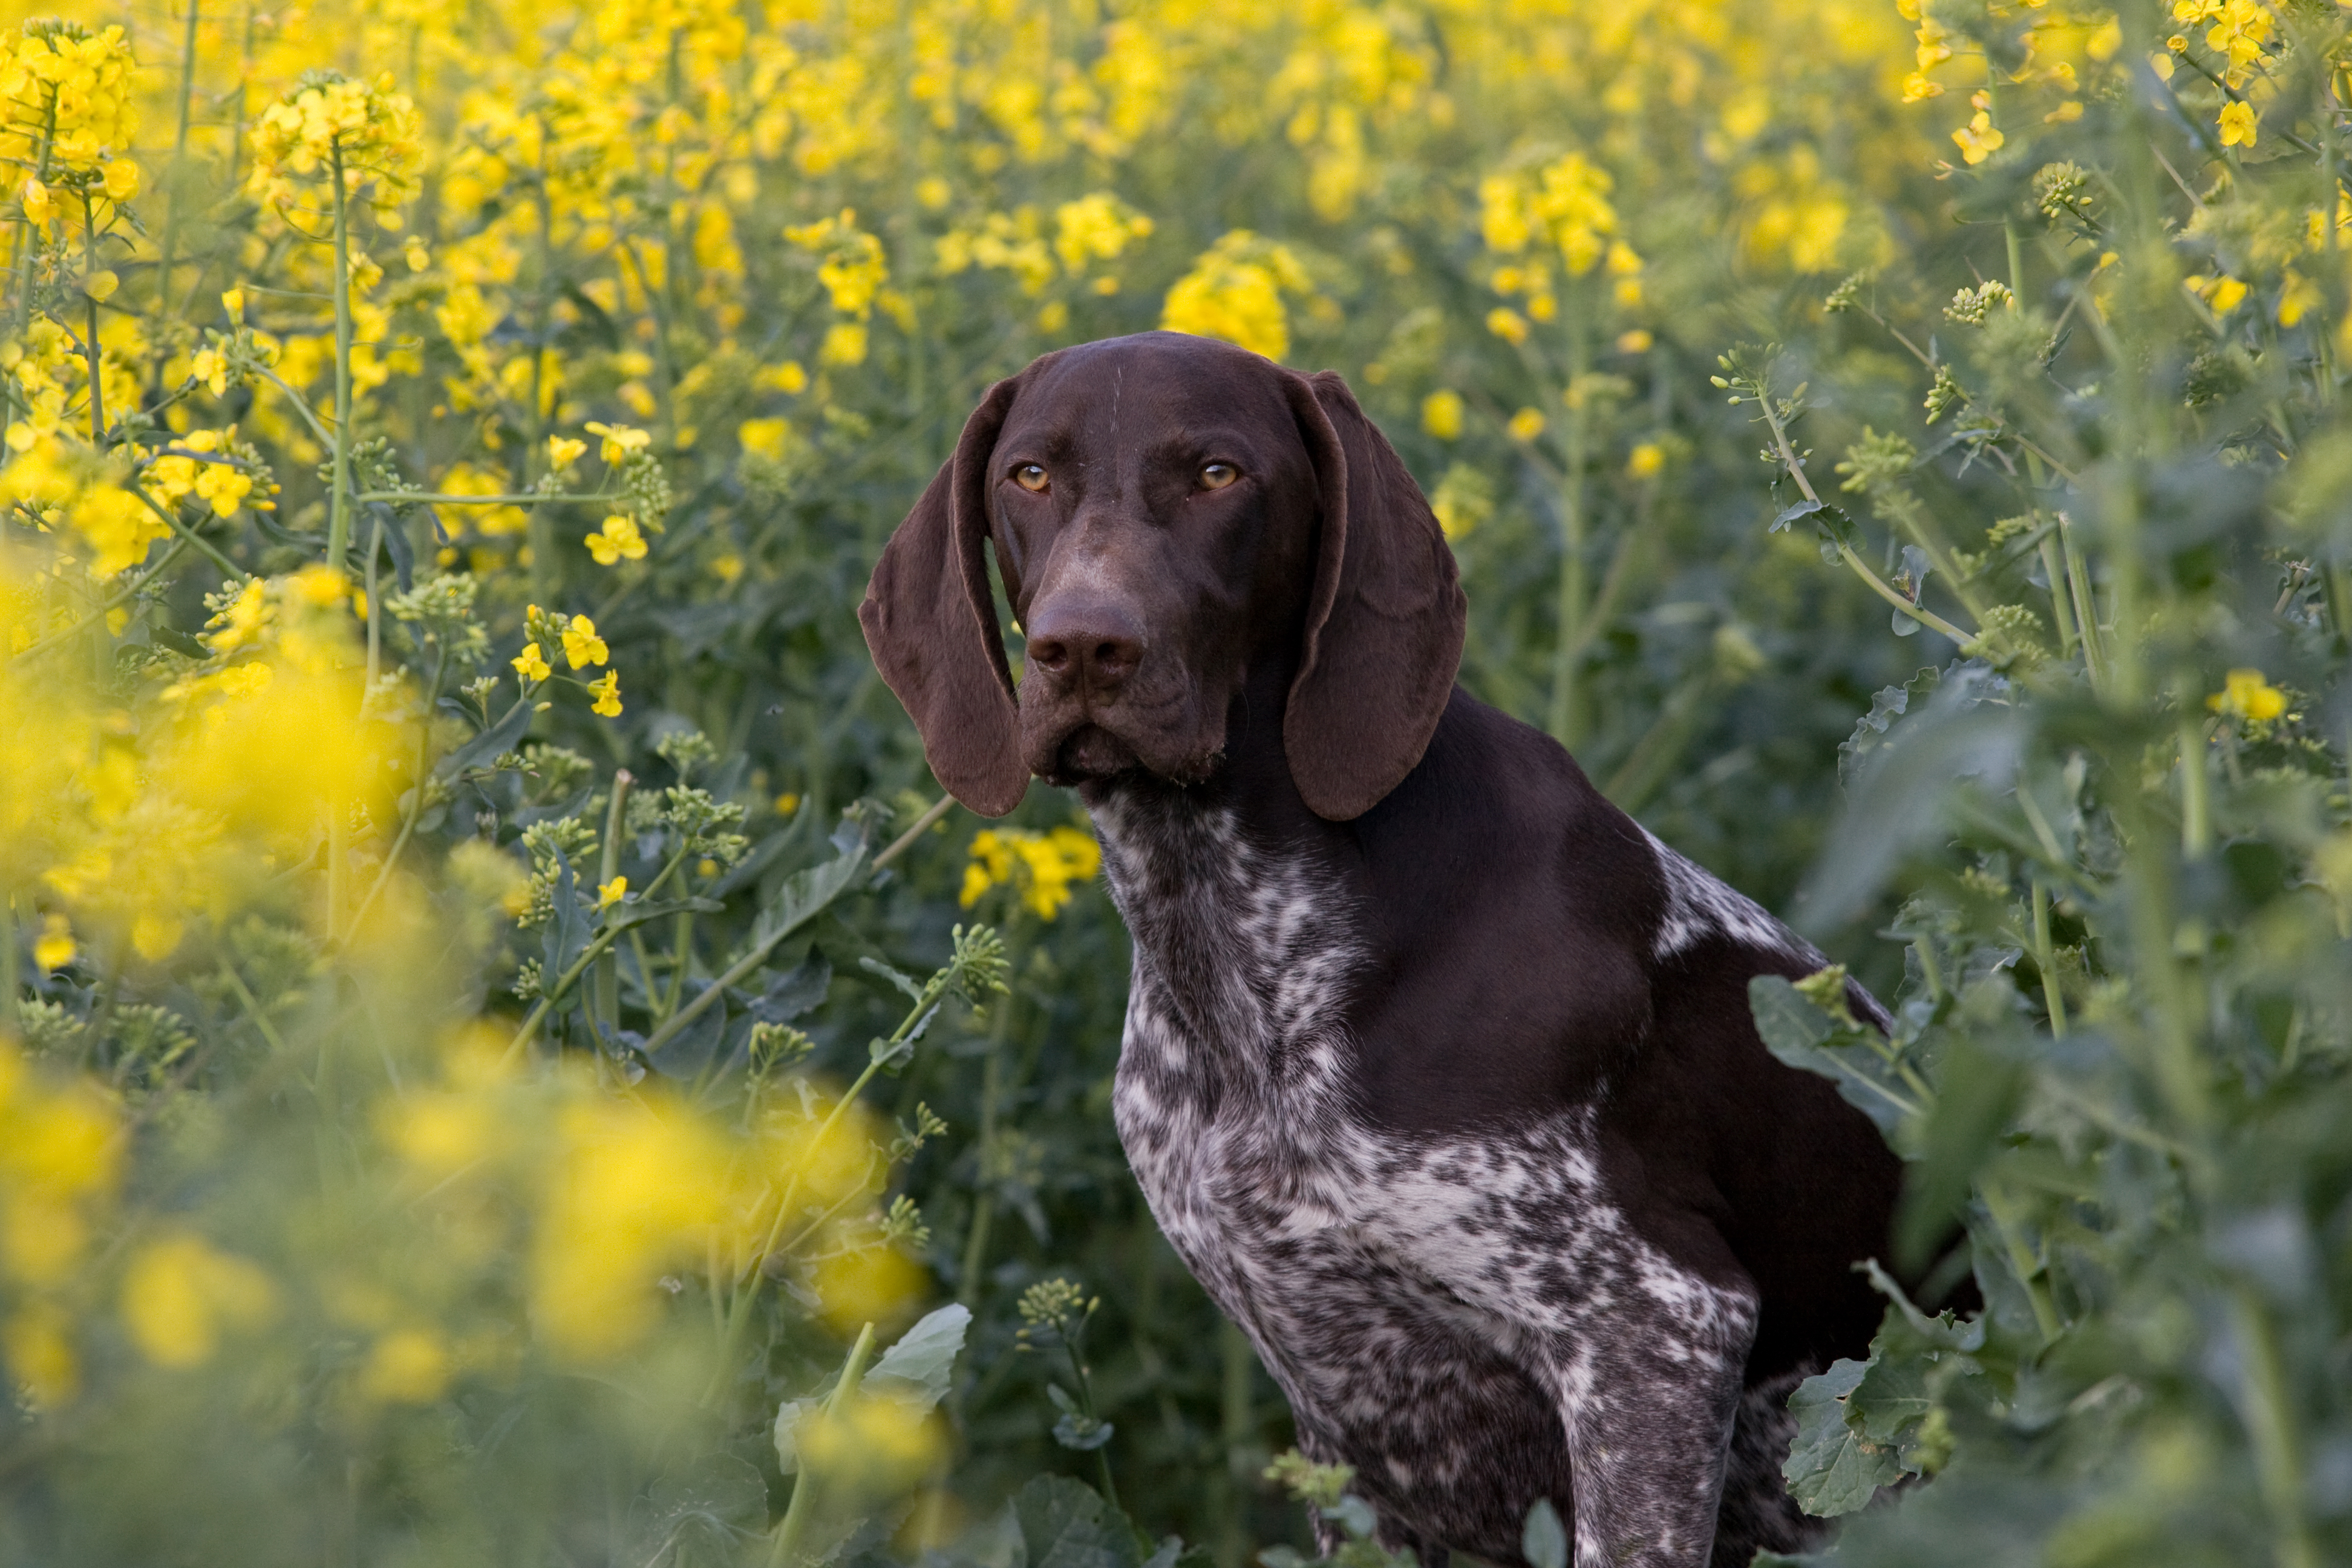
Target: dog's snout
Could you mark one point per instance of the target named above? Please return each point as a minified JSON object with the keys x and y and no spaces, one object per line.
{"x":1094,"y":646}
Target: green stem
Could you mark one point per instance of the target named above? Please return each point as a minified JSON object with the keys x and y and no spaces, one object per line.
{"x":798,"y":1513}
{"x":2269,"y":1415}
{"x":2045,"y":959}
{"x":596,"y":949}
{"x":608,"y":976}
{"x":339,"y":512}
{"x":416,"y":797}
{"x":90,"y":347}
{"x":2196,"y":784}
{"x":1567,"y":719}
{"x":179,"y":163}
{"x":759,"y":951}
{"x":57,"y":637}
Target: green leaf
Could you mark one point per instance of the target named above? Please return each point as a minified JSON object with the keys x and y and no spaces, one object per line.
{"x":1803,"y":1036}
{"x":1065,"y":1525}
{"x":1544,"y":1541}
{"x":621,"y":916}
{"x":920,"y":1368}
{"x":805,"y":896}
{"x":1832,"y":1468}
{"x":702,"y":1512}
{"x":491,"y":745}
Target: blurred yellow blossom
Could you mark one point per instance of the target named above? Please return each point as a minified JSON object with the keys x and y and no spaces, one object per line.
{"x":562,"y":451}
{"x":619,"y":441}
{"x":530,"y":664}
{"x":180,"y":1295}
{"x":2245,"y":694}
{"x":1043,"y":867}
{"x":612,"y":892}
{"x":1441,"y":415}
{"x":2239,"y":128}
{"x":54,"y":948}
{"x":1525,"y":424}
{"x":1234,"y":291}
{"x":407,"y":1366}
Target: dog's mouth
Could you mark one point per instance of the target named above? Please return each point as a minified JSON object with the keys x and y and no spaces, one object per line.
{"x":1091,"y":752}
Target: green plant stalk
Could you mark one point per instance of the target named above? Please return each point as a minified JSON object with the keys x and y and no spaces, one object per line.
{"x":608,"y":866}
{"x":2062,"y":607}
{"x":2024,"y":1264}
{"x":90,"y":345}
{"x":1860,"y":567}
{"x":2269,"y":1415}
{"x":374,"y":604}
{"x":1237,"y":1424}
{"x":2045,"y":959}
{"x":24,"y":224}
{"x":56,"y":638}
{"x":596,"y":949}
{"x":1086,"y":1406}
{"x":170,"y":517}
{"x":983,"y":1207}
{"x":339,"y":502}
{"x":681,"y":949}
{"x":757,"y":954}
{"x":416,"y":798}
{"x":1567,"y":719}
{"x":179,"y":163}
{"x":798,"y":1513}
{"x":2196,"y":782}
{"x":2086,"y":609}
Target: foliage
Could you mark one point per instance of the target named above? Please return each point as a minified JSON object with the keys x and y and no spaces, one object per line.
{"x":502,"y":1028}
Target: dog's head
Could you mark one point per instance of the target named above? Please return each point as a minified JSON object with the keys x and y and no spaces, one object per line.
{"x":1167,"y":511}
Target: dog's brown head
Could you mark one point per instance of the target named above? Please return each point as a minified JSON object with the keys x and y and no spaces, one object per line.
{"x":1167,"y":511}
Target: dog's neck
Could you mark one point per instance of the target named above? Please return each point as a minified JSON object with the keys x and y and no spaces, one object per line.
{"x":1246,"y":908}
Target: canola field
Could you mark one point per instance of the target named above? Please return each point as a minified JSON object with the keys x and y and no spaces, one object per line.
{"x":507,"y":1056}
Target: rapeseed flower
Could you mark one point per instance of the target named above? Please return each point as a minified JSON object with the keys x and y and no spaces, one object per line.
{"x":606,"y":690}
{"x":2247,"y":695}
{"x":582,"y":645}
{"x":618,"y":540}
{"x":1043,"y":867}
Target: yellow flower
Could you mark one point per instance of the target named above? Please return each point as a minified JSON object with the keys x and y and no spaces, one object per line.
{"x":619,"y":441}
{"x":612,"y":892}
{"x":562,"y":451}
{"x":121,"y":180}
{"x":606,"y":690}
{"x":54,"y":948}
{"x":1644,"y":460}
{"x":39,"y":208}
{"x":100,"y":285}
{"x":1525,"y":424}
{"x":2246,"y":695}
{"x":407,"y":1366}
{"x":178,"y":1295}
{"x":233,"y":301}
{"x":2239,"y":127}
{"x":582,"y":645}
{"x":1508,"y":325}
{"x":1978,"y":140}
{"x":1043,"y":867}
{"x":764,"y":438}
{"x":1636,"y":342}
{"x":39,"y":1352}
{"x":530,"y":664}
{"x":209,"y":369}
{"x":1234,"y":291}
{"x":1441,"y":415}
{"x":618,"y":540}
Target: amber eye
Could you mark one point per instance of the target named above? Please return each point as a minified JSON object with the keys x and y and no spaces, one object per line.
{"x":1030,"y":476}
{"x":1217,"y":476}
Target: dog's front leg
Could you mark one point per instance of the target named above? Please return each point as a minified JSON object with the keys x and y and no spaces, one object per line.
{"x":1648,"y":1393}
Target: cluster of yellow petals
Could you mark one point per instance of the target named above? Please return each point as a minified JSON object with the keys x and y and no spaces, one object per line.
{"x":331,"y":122}
{"x":1235,"y":291}
{"x":1045,"y":867}
{"x":61,"y":1158}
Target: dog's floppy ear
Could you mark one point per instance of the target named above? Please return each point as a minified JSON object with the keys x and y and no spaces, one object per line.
{"x":1384,"y":614}
{"x":930,"y":622}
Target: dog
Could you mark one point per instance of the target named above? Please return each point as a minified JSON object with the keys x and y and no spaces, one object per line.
{"x":1438,"y":1069}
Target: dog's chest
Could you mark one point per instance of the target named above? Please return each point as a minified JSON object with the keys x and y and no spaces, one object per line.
{"x":1381,"y":1276}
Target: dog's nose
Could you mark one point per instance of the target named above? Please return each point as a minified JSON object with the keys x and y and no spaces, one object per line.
{"x":1095,"y":646}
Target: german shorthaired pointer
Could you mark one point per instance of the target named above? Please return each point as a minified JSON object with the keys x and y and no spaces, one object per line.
{"x":1438,"y":1071}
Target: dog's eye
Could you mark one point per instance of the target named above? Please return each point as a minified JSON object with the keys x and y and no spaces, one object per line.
{"x":1217,"y":476}
{"x":1030,"y":476}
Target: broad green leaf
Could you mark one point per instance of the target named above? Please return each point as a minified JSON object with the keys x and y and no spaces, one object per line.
{"x":1832,"y":1469}
{"x":805,"y":896}
{"x":920,"y":1368}
{"x":1066,"y":1525}
{"x":491,"y":745}
{"x":1803,"y":1036}
{"x":1544,"y":1541}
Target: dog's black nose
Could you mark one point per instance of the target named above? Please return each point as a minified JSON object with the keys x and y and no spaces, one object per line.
{"x":1092,"y":646}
